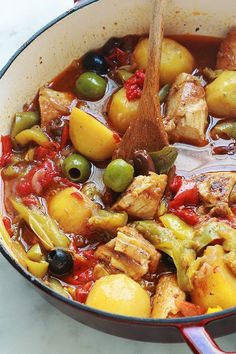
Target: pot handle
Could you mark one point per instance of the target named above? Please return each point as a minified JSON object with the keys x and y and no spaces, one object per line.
{"x":200,"y":341}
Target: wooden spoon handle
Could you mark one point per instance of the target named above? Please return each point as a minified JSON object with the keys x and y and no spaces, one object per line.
{"x":147,"y":130}
{"x":152,"y":74}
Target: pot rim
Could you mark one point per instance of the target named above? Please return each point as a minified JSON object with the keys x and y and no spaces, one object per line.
{"x":176,"y":322}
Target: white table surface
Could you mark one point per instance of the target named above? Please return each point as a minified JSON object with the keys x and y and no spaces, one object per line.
{"x":28,"y":324}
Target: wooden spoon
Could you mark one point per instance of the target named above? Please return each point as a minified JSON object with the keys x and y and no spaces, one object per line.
{"x":147,"y":130}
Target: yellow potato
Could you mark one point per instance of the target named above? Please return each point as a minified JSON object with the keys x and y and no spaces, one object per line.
{"x":214,"y":284}
{"x":71,"y":209}
{"x":175,"y":59}
{"x":221,"y":95}
{"x":122,"y":111}
{"x":121,"y":295}
{"x":90,"y":137}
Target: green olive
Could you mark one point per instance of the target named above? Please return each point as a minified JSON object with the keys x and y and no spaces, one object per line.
{"x":90,"y":86}
{"x":77,"y":168}
{"x":118,"y":175}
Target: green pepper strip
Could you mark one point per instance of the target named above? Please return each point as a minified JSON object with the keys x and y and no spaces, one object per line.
{"x":15,"y":247}
{"x":34,"y":134}
{"x":164,"y":159}
{"x":227,"y":129}
{"x":43,"y":226}
{"x":182,"y":251}
{"x":164,"y":92}
{"x":24,"y":120}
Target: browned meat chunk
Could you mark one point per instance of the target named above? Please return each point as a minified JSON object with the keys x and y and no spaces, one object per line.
{"x":54,"y":104}
{"x":143,"y":196}
{"x":168,"y":294}
{"x":130,"y":253}
{"x":215,"y":187}
{"x":226,"y":57}
{"x":186,"y":110}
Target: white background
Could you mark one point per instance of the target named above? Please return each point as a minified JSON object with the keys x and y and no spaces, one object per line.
{"x":28,"y":324}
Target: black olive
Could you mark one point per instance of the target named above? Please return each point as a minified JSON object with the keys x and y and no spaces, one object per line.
{"x":60,"y":262}
{"x":93,"y":61}
{"x":168,"y":261}
{"x":111,"y":44}
{"x":143,"y":163}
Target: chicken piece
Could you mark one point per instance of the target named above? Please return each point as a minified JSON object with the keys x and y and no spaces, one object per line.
{"x":215,"y":187}
{"x":168,"y":294}
{"x":186,"y":110}
{"x":226,"y":56}
{"x":53,"y":104}
{"x":130,"y":253}
{"x":142,"y":198}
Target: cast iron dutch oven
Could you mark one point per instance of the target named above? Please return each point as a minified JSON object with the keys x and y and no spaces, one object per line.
{"x":88,"y":25}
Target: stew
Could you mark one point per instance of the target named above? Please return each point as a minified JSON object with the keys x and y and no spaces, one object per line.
{"x":137,"y":237}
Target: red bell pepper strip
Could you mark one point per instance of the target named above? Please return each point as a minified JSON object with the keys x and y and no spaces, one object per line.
{"x":186,"y":198}
{"x":6,"y":150}
{"x":8,"y":225}
{"x":187,"y":215}
{"x":64,"y":136}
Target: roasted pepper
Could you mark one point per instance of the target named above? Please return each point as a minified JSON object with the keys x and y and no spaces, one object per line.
{"x":34,"y":134}
{"x":24,"y":120}
{"x":226,"y":130}
{"x":43,"y":226}
{"x":182,"y":251}
{"x":164,"y":159}
{"x":164,"y":92}
{"x":179,"y":228}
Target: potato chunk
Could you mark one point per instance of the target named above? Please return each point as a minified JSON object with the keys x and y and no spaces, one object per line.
{"x":121,"y":295}
{"x":130,"y":253}
{"x":221,"y":95}
{"x":167,"y":295}
{"x":213,"y":282}
{"x":226,"y":56}
{"x":122,"y":111}
{"x":53,"y":104}
{"x":71,"y":209}
{"x":186,"y":111}
{"x":90,"y":137}
{"x":215,"y":187}
{"x":175,"y":59}
{"x":142,"y":198}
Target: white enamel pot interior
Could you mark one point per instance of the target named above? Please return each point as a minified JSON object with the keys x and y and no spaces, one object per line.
{"x":88,"y":25}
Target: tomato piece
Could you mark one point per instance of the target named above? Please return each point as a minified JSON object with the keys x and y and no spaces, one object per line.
{"x":188,"y":309}
{"x":118,"y":57}
{"x":134,"y":85}
{"x":38,"y":179}
{"x":42,"y":153}
{"x":176,"y":184}
{"x":187,"y":215}
{"x":81,"y":293}
{"x":6,"y":150}
{"x":8,"y":225}
{"x":64,"y":135}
